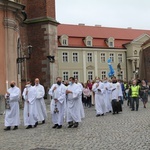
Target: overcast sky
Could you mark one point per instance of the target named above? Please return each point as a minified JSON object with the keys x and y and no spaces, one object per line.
{"x":108,"y":13}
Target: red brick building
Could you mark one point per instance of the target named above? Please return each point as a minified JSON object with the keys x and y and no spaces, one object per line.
{"x":24,"y":22}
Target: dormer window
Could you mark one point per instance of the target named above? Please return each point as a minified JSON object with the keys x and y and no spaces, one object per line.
{"x":64,"y":40}
{"x":88,"y":41}
{"x":110,"y":42}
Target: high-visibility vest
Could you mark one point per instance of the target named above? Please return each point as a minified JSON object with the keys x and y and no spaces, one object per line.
{"x":135,"y":91}
{"x":125,"y":85}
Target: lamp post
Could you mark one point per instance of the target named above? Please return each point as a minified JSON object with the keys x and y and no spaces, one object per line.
{"x":25,"y":58}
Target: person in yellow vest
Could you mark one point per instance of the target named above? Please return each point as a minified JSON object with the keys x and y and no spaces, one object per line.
{"x":134,"y":93}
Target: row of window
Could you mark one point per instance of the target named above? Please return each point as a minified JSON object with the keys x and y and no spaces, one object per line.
{"x":90,"y":75}
{"x":103,"y":58}
{"x":88,"y":41}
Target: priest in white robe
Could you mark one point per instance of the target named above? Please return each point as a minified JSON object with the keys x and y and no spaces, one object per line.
{"x":107,"y":95}
{"x":115,"y":97}
{"x":100,"y":107}
{"x":81,"y":104}
{"x":57,"y":107}
{"x":73,"y":103}
{"x":12,"y":116}
{"x":30,"y":111}
{"x":40,"y":103}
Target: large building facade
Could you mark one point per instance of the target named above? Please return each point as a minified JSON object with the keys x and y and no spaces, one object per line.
{"x":60,"y":50}
{"x":84,"y":50}
{"x":25,"y":27}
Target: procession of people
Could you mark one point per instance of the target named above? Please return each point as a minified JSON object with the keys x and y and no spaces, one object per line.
{"x":69,"y":99}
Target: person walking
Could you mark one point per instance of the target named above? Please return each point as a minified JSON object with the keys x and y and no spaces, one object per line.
{"x":144,"y":92}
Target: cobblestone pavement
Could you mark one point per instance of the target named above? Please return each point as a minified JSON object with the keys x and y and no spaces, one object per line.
{"x":125,"y":131}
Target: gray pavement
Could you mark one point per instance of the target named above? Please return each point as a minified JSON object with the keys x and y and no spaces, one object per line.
{"x":125,"y":131}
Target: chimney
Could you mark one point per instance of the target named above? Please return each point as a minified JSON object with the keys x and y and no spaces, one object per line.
{"x":129,"y":28}
{"x":98,"y":25}
{"x":81,"y":24}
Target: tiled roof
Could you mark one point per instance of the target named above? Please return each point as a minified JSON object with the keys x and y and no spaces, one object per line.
{"x":76,"y":33}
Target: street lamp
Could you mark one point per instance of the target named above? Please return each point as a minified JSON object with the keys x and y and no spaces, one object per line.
{"x":25,"y":58}
{"x":51,"y":58}
{"x":22,"y":59}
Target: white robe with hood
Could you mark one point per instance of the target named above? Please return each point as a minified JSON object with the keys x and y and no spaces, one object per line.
{"x":30,"y":111}
{"x":40,"y":103}
{"x":99,"y":98}
{"x":60,"y":94}
{"x":12,"y":116}
{"x":74,"y":103}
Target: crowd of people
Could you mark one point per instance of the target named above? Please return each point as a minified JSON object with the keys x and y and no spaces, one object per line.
{"x":68,"y":100}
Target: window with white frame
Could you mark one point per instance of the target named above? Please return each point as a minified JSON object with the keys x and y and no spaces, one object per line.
{"x":121,"y":75}
{"x":76,"y":74}
{"x":90,"y":75}
{"x":103,"y":74}
{"x":64,"y":40}
{"x":88,"y":41}
{"x":89,"y":57}
{"x":111,"y":44}
{"x":120,"y":58}
{"x":103,"y":57}
{"x":75,"y":57}
{"x":65,"y":75}
{"x":112,"y":57}
{"x":65,"y":56}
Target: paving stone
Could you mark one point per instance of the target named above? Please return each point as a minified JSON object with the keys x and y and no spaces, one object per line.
{"x":125,"y":131}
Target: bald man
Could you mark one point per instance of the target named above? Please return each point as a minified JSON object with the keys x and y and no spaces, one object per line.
{"x":40,"y":103}
{"x":12,"y":117}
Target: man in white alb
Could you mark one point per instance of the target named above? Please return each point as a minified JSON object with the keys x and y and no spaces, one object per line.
{"x":40,"y":103}
{"x":12,"y":116}
{"x":57,"y":107}
{"x":30,"y":111}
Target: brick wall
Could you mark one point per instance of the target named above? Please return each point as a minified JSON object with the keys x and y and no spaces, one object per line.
{"x":40,"y":8}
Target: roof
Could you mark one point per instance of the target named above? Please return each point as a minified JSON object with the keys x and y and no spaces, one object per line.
{"x":121,"y":35}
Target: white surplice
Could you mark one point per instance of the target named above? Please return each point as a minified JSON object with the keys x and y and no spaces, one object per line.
{"x":81,"y":105}
{"x":60,"y":94}
{"x":74,"y":103}
{"x":107,"y":96}
{"x":116,"y":91}
{"x":99,"y":98}
{"x":12,"y":116}
{"x":30,"y":111}
{"x":40,"y":103}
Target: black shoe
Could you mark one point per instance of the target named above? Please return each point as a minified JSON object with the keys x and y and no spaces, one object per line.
{"x":43,"y":122}
{"x":97,"y":115}
{"x":136,"y":109}
{"x":15,"y":128}
{"x":29,"y":126}
{"x":59,"y":126}
{"x":102,"y":114}
{"x":75,"y":125}
{"x":36,"y":124}
{"x":55,"y":126}
{"x":113,"y":113}
{"x":70,"y":124}
{"x":7,"y":128}
{"x":132,"y":109}
{"x":110,"y":111}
